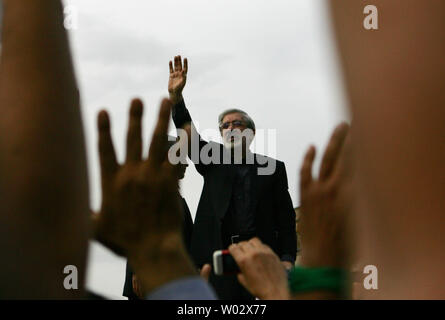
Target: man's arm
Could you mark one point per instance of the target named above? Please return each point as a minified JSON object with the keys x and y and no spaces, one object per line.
{"x":44,"y":187}
{"x":181,"y":116}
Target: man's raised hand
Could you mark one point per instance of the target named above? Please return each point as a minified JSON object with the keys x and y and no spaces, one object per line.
{"x":178,"y":78}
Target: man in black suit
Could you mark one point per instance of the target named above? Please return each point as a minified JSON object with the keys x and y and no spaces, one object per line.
{"x":244,"y":194}
{"x":131,"y":284}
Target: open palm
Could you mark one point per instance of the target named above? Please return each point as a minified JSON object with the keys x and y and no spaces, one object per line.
{"x":178,"y":76}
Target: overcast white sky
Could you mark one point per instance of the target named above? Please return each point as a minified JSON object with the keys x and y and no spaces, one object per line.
{"x":274,"y":59}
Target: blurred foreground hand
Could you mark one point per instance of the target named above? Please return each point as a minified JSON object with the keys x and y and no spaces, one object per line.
{"x":140,"y":214}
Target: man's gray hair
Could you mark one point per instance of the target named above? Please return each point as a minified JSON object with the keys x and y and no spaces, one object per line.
{"x":249,"y":122}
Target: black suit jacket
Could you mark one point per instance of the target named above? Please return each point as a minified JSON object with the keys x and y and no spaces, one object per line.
{"x":271,"y":204}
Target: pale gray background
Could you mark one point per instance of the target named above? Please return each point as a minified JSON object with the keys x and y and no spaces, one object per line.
{"x":274,"y":59}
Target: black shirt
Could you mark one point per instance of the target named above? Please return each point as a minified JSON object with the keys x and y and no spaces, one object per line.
{"x":240,"y":202}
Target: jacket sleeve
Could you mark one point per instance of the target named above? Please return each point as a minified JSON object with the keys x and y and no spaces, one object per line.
{"x":287,"y":236}
{"x":181,"y":117}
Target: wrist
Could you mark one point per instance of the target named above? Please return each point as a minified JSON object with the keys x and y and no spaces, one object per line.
{"x":175,"y":97}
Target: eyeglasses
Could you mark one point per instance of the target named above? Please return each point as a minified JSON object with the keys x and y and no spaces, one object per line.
{"x":235,"y":124}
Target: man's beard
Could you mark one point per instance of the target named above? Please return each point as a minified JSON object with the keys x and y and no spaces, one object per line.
{"x":239,"y":146}
{"x":235,"y":144}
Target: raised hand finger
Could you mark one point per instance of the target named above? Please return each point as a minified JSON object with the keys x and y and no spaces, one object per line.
{"x":178,"y":64}
{"x":134,"y":134}
{"x":332,"y":151}
{"x":170,"y":64}
{"x":158,"y":150}
{"x":306,"y":169}
{"x":186,"y":66}
{"x":107,"y":155}
{"x":344,"y":165}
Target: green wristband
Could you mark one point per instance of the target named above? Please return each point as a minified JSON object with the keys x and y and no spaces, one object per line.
{"x":303,"y":279}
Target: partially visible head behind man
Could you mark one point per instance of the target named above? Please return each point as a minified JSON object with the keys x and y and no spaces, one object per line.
{"x":232,"y":126}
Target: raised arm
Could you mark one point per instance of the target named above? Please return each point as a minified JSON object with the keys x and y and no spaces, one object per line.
{"x":44,"y":188}
{"x":180,"y":114}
